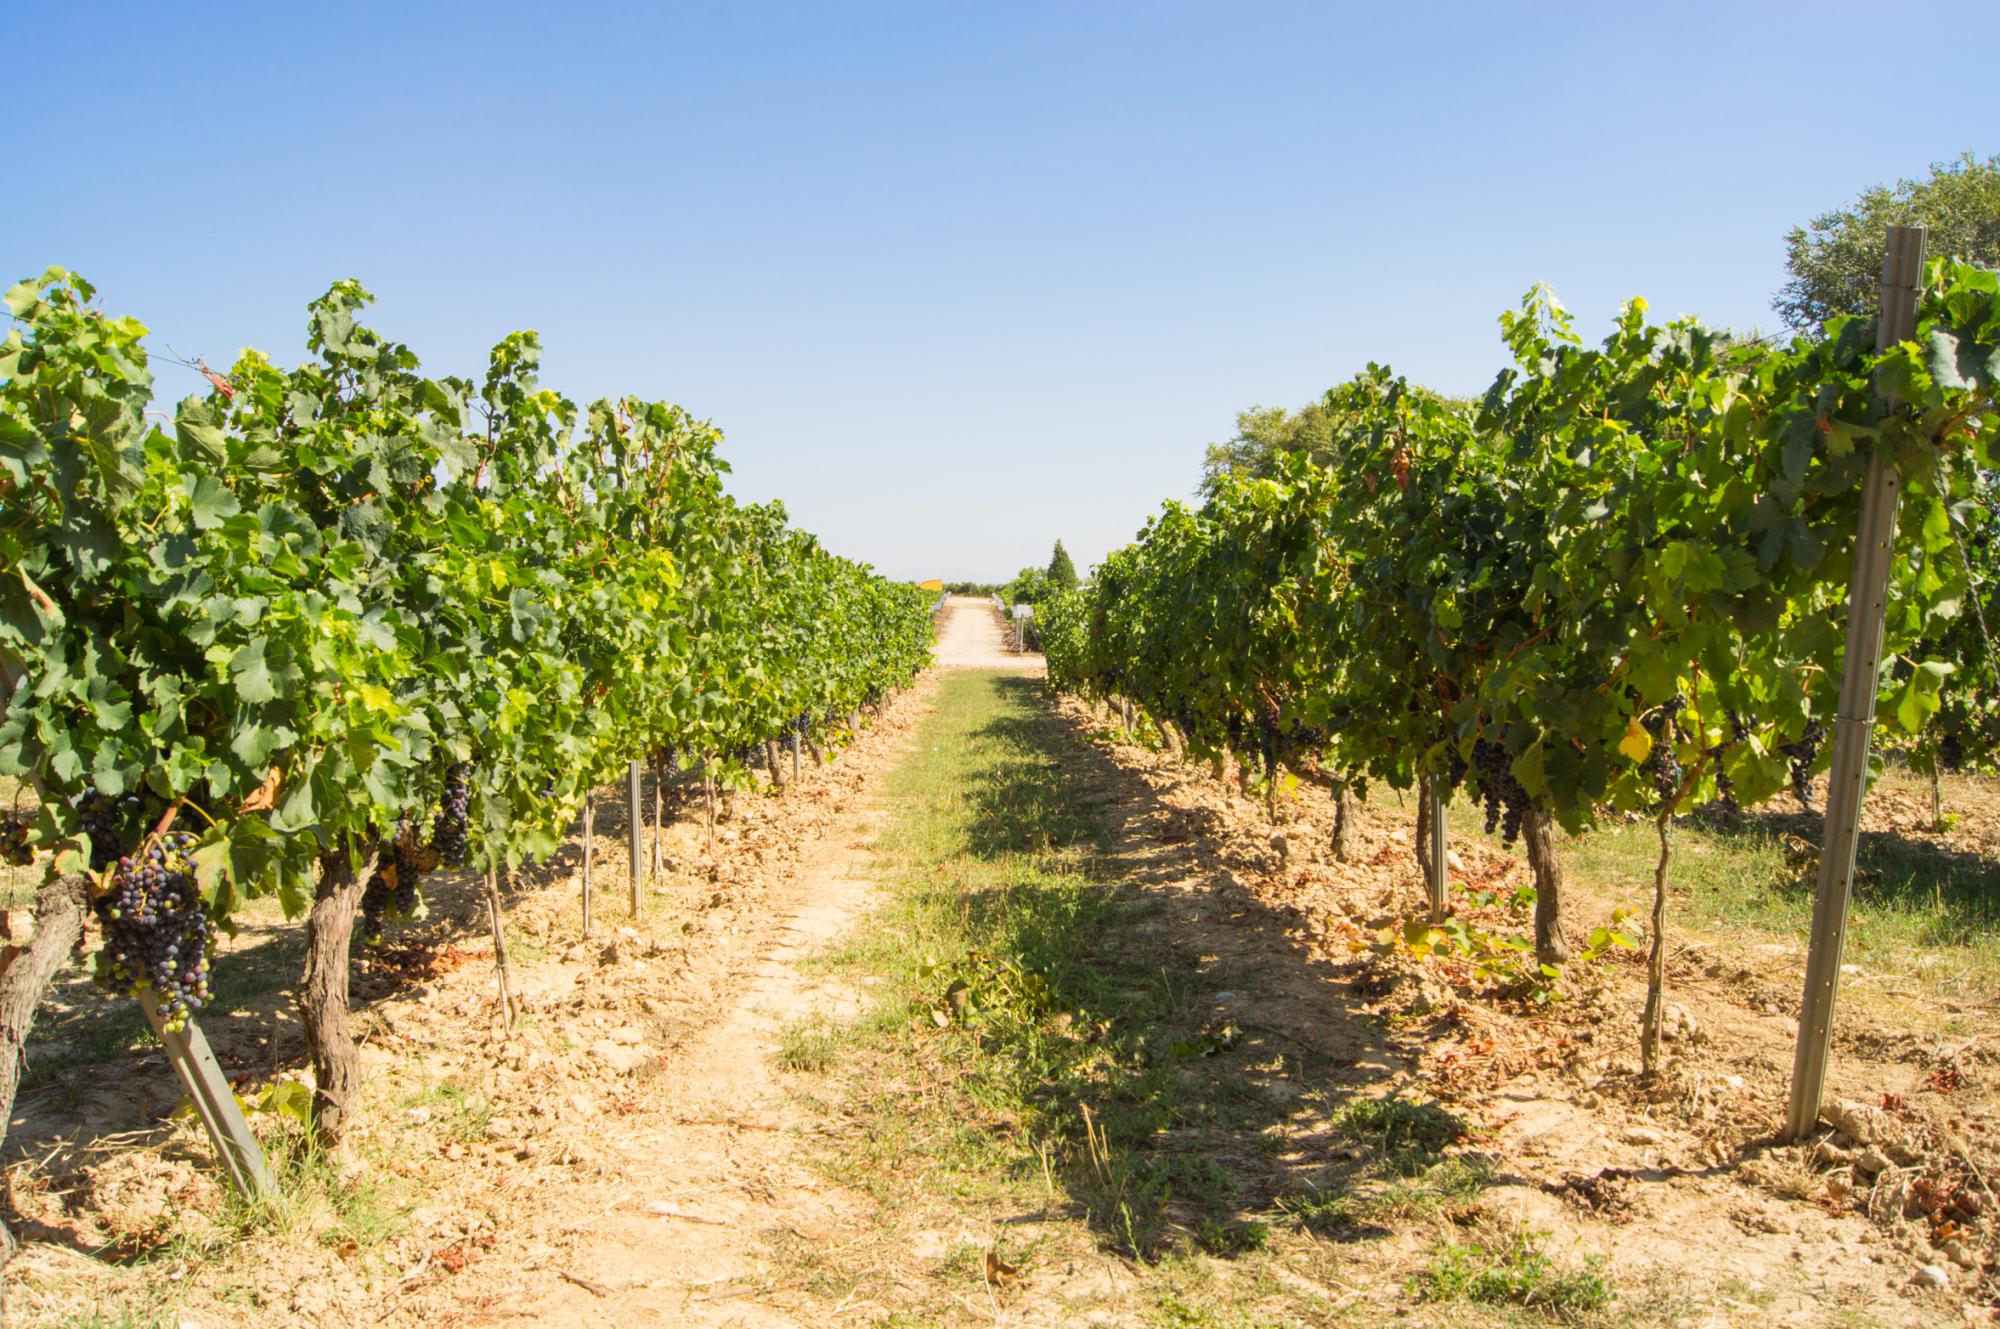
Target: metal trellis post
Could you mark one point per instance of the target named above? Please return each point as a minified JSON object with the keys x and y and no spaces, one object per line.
{"x":214,"y":1101}
{"x":1902,"y":274}
{"x":1435,"y":871}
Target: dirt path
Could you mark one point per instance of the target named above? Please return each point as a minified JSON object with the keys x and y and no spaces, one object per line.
{"x":971,"y":638}
{"x":626,"y":1155}
{"x":716,"y":1189}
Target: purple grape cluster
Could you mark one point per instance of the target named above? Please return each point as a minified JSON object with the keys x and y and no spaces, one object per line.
{"x":107,"y":822}
{"x":16,"y":848}
{"x":1267,"y":739}
{"x":392,"y":890}
{"x":1506,"y":801}
{"x":1662,"y":763}
{"x":1803,"y":751}
{"x":448,"y":831}
{"x":157,"y":933}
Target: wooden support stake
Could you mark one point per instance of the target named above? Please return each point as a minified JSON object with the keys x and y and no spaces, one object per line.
{"x":214,"y":1102}
{"x":795,"y":754}
{"x":497,"y":916}
{"x":1902,"y":275}
{"x":589,"y":827}
{"x":659,"y":810}
{"x":635,"y":808}
{"x":1436,"y":879}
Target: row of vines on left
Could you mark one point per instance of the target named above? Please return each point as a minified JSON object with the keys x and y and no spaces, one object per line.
{"x":334,"y":625}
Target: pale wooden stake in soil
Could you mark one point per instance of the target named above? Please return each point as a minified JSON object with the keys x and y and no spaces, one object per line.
{"x":589,"y":828}
{"x":498,"y":917}
{"x":635,"y":810}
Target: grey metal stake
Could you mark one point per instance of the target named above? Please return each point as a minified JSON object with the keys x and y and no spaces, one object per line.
{"x":636,"y":807}
{"x":215,"y":1102}
{"x":1435,"y":871}
{"x":1902,"y":274}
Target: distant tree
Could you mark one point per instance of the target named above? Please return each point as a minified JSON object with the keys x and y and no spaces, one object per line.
{"x":1030,"y":587}
{"x":1263,"y":432}
{"x":1062,"y":573}
{"x":1836,"y":259}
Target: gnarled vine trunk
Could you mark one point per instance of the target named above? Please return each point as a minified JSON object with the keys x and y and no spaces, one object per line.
{"x":773,"y":757}
{"x":1538,"y":837}
{"x":26,"y":971}
{"x":1656,"y":959}
{"x":1343,"y":822}
{"x":323,"y":993}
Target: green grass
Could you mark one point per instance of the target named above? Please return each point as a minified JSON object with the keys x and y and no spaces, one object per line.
{"x":808,"y":1047}
{"x":1514,"y":1271}
{"x":992,"y":951}
{"x":1922,"y":910}
{"x":1046,"y":1039}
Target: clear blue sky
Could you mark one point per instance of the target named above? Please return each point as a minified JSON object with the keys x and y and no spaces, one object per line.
{"x":957,"y":280}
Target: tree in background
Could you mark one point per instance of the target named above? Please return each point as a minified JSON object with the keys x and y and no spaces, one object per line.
{"x":1264,"y":433}
{"x":1062,"y":572}
{"x":1836,"y":259}
{"x":1030,"y":587}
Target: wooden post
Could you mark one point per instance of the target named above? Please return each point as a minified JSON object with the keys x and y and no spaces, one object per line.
{"x":215,"y":1102}
{"x":795,"y":752}
{"x":636,"y":807}
{"x":589,"y":826}
{"x":1902,"y":275}
{"x":659,"y":811}
{"x":1436,"y":869}
{"x":496,"y":914}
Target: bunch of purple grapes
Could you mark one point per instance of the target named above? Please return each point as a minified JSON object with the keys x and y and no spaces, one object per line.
{"x":1506,"y":801}
{"x":107,"y":822}
{"x":393,"y":894}
{"x":448,"y":831}
{"x":1803,"y":751}
{"x":17,"y":849}
{"x":157,"y":933}
{"x":1662,"y":763}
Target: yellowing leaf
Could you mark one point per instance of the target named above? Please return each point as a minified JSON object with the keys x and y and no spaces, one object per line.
{"x":1637,"y":743}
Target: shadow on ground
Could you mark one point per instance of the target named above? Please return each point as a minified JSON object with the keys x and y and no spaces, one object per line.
{"x":1230,"y":1076}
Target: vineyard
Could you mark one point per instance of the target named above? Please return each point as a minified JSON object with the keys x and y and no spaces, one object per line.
{"x":323,"y":632}
{"x":1615,"y":587}
{"x":566,"y":894}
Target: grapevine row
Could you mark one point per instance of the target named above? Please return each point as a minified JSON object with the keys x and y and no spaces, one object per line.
{"x":329,"y":627}
{"x":1614,"y":584}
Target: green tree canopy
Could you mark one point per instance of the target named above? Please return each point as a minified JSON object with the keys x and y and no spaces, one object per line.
{"x":1265,"y":433}
{"x":1029,"y":587}
{"x":1836,"y":259}
{"x":1062,"y":572}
